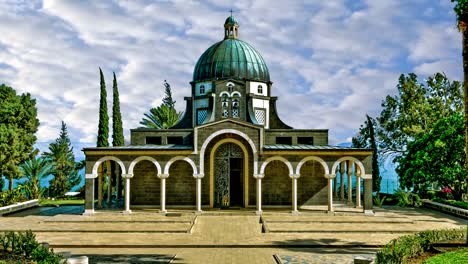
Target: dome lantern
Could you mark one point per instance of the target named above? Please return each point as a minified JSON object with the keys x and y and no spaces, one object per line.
{"x":231,"y":28}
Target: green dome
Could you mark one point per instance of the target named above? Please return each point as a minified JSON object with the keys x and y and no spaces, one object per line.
{"x":231,"y":58}
{"x":231,"y":20}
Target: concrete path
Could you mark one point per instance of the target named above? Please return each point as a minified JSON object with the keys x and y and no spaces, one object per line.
{"x":226,"y":237}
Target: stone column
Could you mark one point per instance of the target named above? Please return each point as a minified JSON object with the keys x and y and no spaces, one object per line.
{"x":89,"y":194}
{"x":294,"y":178}
{"x":358,"y":187}
{"x":259,"y":178}
{"x":335,"y":186}
{"x":163,"y":192}
{"x":100,"y":178}
{"x":350,"y":183}
{"x":368,"y":194}
{"x":342,"y":171}
{"x":198,"y":177}
{"x":330,"y":178}
{"x":127,"y":178}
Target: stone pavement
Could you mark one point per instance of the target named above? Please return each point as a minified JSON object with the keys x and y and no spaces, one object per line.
{"x":223,"y":236}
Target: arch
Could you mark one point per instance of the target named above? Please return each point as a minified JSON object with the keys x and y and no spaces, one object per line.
{"x":176,"y":158}
{"x":135,"y":161}
{"x":357,"y":162}
{"x":285,"y":161}
{"x":105,"y":158}
{"x":225,"y":131}
{"x":236,"y":93}
{"x":306,"y":159}
{"x":246,"y":168}
{"x":224,"y":93}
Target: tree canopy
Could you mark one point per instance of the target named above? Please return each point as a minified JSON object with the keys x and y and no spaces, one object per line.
{"x":18,"y":125}
{"x":103,"y":127}
{"x":35,"y":170}
{"x":436,"y":157}
{"x":65,"y":169}
{"x":117,"y":129}
{"x":164,"y":116}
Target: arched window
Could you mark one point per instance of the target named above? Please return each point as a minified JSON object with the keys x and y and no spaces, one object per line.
{"x":230,"y":87}
{"x":202,"y":89}
{"x":235,"y":108}
{"x":260,"y":89}
{"x":225,"y":105}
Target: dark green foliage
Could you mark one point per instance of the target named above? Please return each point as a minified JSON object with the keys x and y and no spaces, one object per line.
{"x":399,"y":250}
{"x":65,"y":169}
{"x":18,"y":125}
{"x":461,"y":9}
{"x":436,"y":157}
{"x":117,"y":129}
{"x":24,"y":244}
{"x":167,"y":100}
{"x":406,"y":198}
{"x":35,"y":170}
{"x":103,"y":127}
{"x":164,"y":116}
{"x":459,"y":204}
{"x":12,"y":196}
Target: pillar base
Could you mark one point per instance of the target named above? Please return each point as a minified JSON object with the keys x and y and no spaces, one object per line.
{"x":359,"y":207}
{"x":88,"y":212}
{"x":296,"y":212}
{"x":198,"y":212}
{"x":127,"y":212}
{"x":163,"y":212}
{"x":369,"y":212}
{"x":260,"y":212}
{"x":331,"y":212}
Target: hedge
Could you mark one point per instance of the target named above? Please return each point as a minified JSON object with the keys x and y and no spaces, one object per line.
{"x":401,"y":249}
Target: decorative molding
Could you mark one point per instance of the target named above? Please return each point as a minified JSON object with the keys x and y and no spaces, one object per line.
{"x":127,"y":175}
{"x":330,"y":176}
{"x":90,"y":176}
{"x":294,"y":176}
{"x":366,"y":176}
{"x":163,"y":176}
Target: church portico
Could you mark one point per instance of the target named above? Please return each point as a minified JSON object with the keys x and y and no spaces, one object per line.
{"x":231,"y":149}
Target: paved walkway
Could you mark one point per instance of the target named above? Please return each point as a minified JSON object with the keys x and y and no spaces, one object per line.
{"x":223,"y":236}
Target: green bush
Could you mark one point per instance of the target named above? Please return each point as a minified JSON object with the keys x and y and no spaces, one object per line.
{"x":454,"y":257}
{"x":378,"y":200}
{"x":11,"y":197}
{"x":400,"y":249}
{"x":24,"y":244}
{"x":406,"y":198}
{"x":459,"y":204}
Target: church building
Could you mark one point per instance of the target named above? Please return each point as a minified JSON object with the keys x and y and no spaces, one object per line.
{"x":231,"y":149}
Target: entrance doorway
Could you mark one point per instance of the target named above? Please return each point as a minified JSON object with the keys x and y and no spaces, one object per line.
{"x":229,"y":178}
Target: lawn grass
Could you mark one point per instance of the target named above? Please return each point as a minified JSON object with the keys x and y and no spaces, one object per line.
{"x":60,"y":202}
{"x":454,"y":257}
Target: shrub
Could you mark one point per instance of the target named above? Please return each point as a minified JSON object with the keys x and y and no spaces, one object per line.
{"x":378,"y":201}
{"x":11,"y":197}
{"x":454,"y":257}
{"x":406,"y":198}
{"x":43,"y":255}
{"x":400,"y":249}
{"x":24,"y":244}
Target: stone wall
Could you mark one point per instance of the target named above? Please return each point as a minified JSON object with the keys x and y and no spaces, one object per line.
{"x":312,"y":185}
{"x":145,"y":185}
{"x":180,"y":185}
{"x":276,"y":185}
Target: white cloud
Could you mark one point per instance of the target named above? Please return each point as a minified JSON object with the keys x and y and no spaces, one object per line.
{"x":331,"y":61}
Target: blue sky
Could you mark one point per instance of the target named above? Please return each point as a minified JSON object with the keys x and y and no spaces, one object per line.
{"x":331,"y":62}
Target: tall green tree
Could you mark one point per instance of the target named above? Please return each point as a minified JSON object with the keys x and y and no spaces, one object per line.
{"x":103,"y":127}
{"x":35,"y":170}
{"x":117,"y":129}
{"x":167,"y":100}
{"x":436,"y":157}
{"x":65,"y":169}
{"x":461,"y":11}
{"x":18,"y":125}
{"x":164,"y":116}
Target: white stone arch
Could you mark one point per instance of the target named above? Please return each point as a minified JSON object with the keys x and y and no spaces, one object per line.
{"x":225,"y":131}
{"x":356,"y":161}
{"x":176,"y":158}
{"x":105,"y":158}
{"x":236,"y":93}
{"x":224,"y":93}
{"x":148,"y":158}
{"x":314,"y":158}
{"x":285,"y":161}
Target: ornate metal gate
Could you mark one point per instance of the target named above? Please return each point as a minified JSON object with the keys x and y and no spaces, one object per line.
{"x":222,"y":172}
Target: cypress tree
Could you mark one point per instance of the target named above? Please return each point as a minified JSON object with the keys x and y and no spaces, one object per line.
{"x":117,"y":130}
{"x":167,"y":100}
{"x":103,"y":129}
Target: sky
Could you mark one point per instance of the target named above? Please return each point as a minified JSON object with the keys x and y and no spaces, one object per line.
{"x":331,"y":62}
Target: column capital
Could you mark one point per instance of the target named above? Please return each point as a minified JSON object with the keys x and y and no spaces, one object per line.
{"x":163,"y":176}
{"x":294,"y":176}
{"x":90,"y":176}
{"x":366,"y":176}
{"x":330,"y":176}
{"x":199,"y":176}
{"x":127,"y":175}
{"x":259,"y":176}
